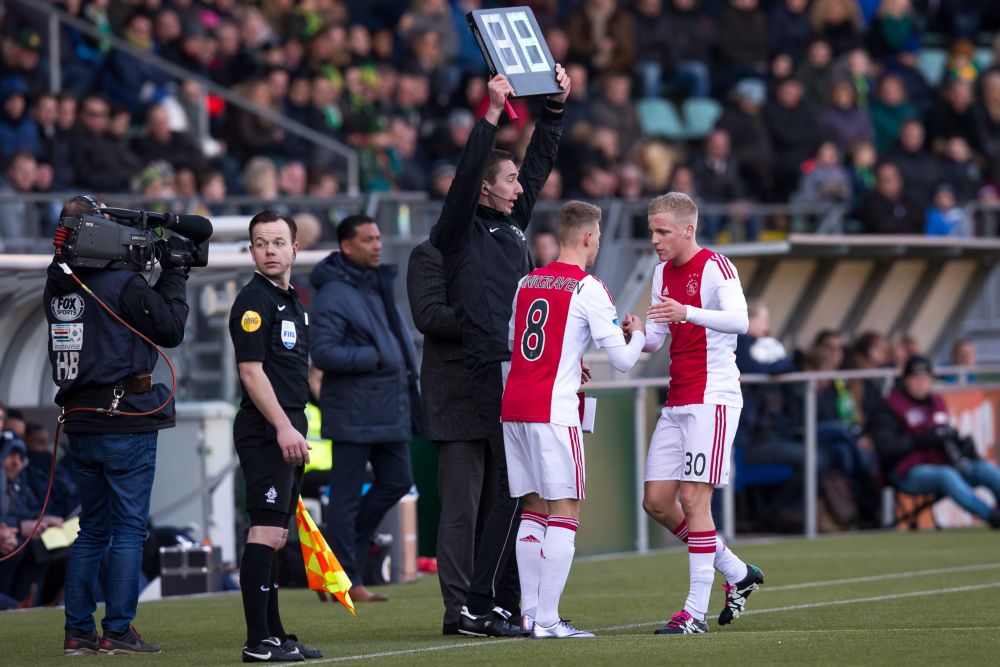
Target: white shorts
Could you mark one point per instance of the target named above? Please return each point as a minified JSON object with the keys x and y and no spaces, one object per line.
{"x":693,"y":443}
{"x":546,"y":459}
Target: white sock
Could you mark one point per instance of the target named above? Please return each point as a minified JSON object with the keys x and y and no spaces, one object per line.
{"x":557,"y":558}
{"x":701,"y":555}
{"x":528,"y":550}
{"x":726,"y":562}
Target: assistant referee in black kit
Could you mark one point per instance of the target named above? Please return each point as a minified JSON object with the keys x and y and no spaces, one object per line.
{"x":269,"y":329}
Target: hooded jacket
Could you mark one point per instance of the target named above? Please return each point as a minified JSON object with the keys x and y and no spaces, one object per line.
{"x":357,"y":338}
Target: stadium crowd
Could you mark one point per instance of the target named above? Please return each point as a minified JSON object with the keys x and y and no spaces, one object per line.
{"x":816,"y":101}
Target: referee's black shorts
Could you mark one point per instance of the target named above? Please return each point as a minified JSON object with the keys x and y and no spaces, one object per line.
{"x":272,"y":484}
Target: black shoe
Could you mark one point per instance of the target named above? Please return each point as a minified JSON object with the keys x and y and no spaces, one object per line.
{"x":309,"y":653}
{"x":492,"y":624}
{"x":129,"y":641}
{"x":272,"y":650}
{"x":449,"y":629}
{"x":737,"y":594}
{"x":81,"y":643}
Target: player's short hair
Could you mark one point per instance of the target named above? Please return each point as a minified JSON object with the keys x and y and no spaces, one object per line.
{"x":348,"y":227}
{"x":493,"y":160}
{"x":677,"y":204}
{"x":573,"y":217}
{"x":270,"y":215}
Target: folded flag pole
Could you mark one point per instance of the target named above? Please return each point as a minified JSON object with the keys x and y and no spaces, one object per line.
{"x":323,"y":570}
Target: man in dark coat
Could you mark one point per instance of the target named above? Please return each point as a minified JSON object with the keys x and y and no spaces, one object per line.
{"x":888,"y":210}
{"x":466,"y":472}
{"x":369,"y":398}
{"x":480,"y":234}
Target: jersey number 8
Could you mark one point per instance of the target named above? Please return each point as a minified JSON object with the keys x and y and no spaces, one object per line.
{"x":533,"y":339}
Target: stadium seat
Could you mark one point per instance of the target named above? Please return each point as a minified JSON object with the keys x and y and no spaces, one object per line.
{"x":700,"y":115}
{"x":984,"y":58}
{"x":931,"y":63}
{"x":659,"y":118}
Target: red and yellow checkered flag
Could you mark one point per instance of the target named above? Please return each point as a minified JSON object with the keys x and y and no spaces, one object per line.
{"x":323,"y":571}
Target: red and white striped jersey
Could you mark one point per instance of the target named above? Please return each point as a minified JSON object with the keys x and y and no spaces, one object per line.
{"x":557,"y":310}
{"x":702,"y":360}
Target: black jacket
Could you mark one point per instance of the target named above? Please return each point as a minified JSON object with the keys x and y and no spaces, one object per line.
{"x":485,"y":252}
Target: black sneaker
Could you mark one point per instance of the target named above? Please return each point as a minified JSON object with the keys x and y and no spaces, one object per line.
{"x":272,"y":650}
{"x":81,"y":643}
{"x":737,"y":594}
{"x":129,"y":641}
{"x":492,"y":624}
{"x":683,"y":623}
{"x":292,"y":642}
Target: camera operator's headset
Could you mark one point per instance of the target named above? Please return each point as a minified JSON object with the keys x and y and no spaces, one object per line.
{"x":58,"y":239}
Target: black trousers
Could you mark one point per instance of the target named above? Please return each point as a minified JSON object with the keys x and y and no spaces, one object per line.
{"x":353,"y":518}
{"x":494,"y":575}
{"x":467,"y":485}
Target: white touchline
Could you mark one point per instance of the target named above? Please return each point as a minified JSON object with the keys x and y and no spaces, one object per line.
{"x":630,"y":626}
{"x":880,"y":577}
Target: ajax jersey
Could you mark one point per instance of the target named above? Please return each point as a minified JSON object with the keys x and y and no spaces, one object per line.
{"x":558,"y":310}
{"x":702,"y":361}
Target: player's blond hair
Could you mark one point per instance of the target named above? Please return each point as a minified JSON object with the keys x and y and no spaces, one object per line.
{"x":573,"y":218}
{"x":678,"y":205}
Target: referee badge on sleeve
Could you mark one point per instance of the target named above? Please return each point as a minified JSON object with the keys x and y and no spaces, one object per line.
{"x":250,"y":321}
{"x":288,"y":334}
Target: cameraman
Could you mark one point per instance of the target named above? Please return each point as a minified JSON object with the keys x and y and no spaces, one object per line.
{"x":94,"y":359}
{"x":921,"y":451}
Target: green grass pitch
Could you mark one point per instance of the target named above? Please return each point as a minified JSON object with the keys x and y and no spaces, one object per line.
{"x":875,"y":599}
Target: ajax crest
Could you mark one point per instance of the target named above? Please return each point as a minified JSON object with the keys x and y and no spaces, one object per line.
{"x":692,"y":286}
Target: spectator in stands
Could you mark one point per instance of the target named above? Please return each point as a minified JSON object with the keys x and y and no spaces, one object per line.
{"x":159,"y":142}
{"x":788,"y":28}
{"x":824,"y":179}
{"x":751,"y":142}
{"x":953,"y":116}
{"x":248,"y":134}
{"x":987,"y":114}
{"x":869,"y":351}
{"x":544,"y":247}
{"x":960,"y":169}
{"x":904,"y":65}
{"x":815,"y":73}
{"x":656,"y":59}
{"x":449,"y":139}
{"x":64,"y":498}
{"x":130,"y":81}
{"x":97,"y":160}
{"x":901,"y":348}
{"x":863,"y":161}
{"x":944,"y":217}
{"x":212,"y":190}
{"x":833,"y":342}
{"x":740,"y":47}
{"x":292,"y":179}
{"x":921,"y":170}
{"x":889,"y":111}
{"x":888,"y":210}
{"x":894,"y":25}
{"x":692,"y":34}
{"x":260,"y":179}
{"x":963,"y":354}
{"x":961,"y":64}
{"x":429,"y":59}
{"x":18,"y":131}
{"x":842,"y":122}
{"x":922,"y":451}
{"x":55,"y":144}
{"x":21,"y":56}
{"x":838,"y":22}
{"x":601,"y":36}
{"x":19,"y":219}
{"x":717,"y":179}
{"x":441,"y":177}
{"x":431,"y":15}
{"x":359,"y":341}
{"x":616,"y":110}
{"x":794,"y":131}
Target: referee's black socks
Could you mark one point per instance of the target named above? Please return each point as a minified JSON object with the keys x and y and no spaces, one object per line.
{"x":273,"y":617}
{"x":256,"y":585}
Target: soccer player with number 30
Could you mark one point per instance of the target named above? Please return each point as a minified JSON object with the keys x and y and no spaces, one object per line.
{"x":697,"y":300}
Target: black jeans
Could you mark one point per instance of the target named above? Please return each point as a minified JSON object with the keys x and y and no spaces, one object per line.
{"x":353,"y":518}
{"x":494,"y":575}
{"x":467,"y":484}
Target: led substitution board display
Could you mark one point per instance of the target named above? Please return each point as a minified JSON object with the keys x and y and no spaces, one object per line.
{"x":512,"y":45}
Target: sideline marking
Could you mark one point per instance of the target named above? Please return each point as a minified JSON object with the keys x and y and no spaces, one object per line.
{"x":630,"y":626}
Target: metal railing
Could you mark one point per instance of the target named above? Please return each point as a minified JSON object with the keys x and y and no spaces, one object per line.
{"x":640,"y":387}
{"x":58,"y":16}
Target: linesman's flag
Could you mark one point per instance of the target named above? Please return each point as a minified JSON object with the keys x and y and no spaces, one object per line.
{"x":323,"y":570}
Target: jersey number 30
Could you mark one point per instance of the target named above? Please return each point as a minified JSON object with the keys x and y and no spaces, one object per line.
{"x":533,"y":339}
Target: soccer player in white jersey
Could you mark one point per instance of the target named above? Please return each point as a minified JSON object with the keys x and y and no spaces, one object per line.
{"x":697,"y":300}
{"x":557,"y":311}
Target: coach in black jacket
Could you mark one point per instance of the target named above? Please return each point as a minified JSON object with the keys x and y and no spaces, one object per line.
{"x":481,"y":237}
